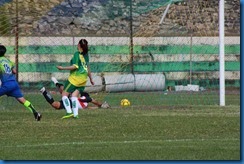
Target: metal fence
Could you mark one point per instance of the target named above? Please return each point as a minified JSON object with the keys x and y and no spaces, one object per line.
{"x":178,"y":39}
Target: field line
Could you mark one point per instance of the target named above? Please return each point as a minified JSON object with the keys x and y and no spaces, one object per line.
{"x":118,"y":142}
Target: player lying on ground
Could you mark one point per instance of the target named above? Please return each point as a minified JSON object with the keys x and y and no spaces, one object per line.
{"x":84,"y":98}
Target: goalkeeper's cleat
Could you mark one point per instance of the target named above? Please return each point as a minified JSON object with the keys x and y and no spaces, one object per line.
{"x":55,"y":81}
{"x":68,"y":115}
{"x":42,"y":89}
{"x":105,"y":105}
{"x":38,"y":116}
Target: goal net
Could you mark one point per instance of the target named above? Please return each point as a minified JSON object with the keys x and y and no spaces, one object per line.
{"x":154,"y":53}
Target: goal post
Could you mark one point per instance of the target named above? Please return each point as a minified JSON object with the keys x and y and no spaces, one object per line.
{"x":221,"y":53}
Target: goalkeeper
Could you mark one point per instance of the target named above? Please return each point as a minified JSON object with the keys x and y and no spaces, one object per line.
{"x":83,"y":100}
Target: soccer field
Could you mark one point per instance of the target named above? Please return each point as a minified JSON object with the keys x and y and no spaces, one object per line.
{"x":131,"y":133}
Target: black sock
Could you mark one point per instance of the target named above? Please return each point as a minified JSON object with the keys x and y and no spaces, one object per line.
{"x":59,"y":85}
{"x":48,"y":97}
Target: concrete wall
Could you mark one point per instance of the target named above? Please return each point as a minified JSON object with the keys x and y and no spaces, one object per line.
{"x":179,"y":59}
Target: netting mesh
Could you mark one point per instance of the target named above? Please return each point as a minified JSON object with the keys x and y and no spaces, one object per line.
{"x":134,"y":52}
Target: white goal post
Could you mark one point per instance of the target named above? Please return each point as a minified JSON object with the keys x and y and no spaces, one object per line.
{"x":221,"y":53}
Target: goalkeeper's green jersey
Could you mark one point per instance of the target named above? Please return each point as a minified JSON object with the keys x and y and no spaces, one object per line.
{"x":79,"y":76}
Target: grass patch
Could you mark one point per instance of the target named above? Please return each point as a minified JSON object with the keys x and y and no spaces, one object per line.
{"x":132,"y":133}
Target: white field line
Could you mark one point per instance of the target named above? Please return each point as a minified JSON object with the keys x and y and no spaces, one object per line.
{"x":118,"y":142}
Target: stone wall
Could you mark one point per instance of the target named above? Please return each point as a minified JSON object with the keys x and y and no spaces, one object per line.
{"x":107,"y":18}
{"x":192,"y":17}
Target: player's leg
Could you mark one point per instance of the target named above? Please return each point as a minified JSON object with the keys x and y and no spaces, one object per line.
{"x":16,"y":93}
{"x":68,"y":88}
{"x":60,"y":86}
{"x":48,"y":97}
{"x":75,"y":103}
{"x":67,"y":105}
{"x":75,"y":106}
{"x":30,"y":107}
{"x":58,"y":105}
{"x":65,"y":91}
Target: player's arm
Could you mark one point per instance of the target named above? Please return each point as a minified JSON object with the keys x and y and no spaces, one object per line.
{"x":88,"y":99}
{"x":12,"y":65}
{"x":89,"y":75}
{"x":14,"y":71}
{"x":97,"y":103}
{"x":73,"y":67}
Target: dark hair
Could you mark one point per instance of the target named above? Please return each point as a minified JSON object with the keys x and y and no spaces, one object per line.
{"x":84,"y":45}
{"x":2,"y":50}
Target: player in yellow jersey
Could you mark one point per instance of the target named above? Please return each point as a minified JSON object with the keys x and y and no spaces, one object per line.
{"x":79,"y":73}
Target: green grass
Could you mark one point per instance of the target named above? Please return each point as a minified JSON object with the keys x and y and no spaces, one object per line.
{"x":142,"y":100}
{"x":133,"y":133}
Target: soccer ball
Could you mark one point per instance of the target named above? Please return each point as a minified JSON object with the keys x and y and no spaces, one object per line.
{"x":125,"y":102}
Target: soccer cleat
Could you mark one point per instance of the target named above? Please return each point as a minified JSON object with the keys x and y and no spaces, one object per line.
{"x":38,"y":116}
{"x":68,"y":115}
{"x":42,"y":89}
{"x":76,"y":117}
{"x":105,"y":105}
{"x":55,"y":81}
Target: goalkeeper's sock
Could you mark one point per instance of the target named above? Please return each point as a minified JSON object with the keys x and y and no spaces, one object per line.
{"x":66,"y":103}
{"x":75,"y":106}
{"x":30,"y":107}
{"x":58,"y":85}
{"x":54,"y":80}
{"x":48,"y":97}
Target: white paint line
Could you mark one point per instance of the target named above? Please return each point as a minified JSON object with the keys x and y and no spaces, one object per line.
{"x":119,"y":142}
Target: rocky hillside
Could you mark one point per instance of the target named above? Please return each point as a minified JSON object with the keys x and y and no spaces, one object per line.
{"x":112,"y":18}
{"x":192,"y":17}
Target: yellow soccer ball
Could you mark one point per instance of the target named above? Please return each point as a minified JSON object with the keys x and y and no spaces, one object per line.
{"x":125,"y":102}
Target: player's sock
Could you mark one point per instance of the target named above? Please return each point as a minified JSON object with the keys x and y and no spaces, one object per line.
{"x":55,"y":81}
{"x":48,"y":97}
{"x":30,"y":107}
{"x":75,"y":106}
{"x":66,"y":103}
{"x":59,"y":85}
{"x":42,"y":89}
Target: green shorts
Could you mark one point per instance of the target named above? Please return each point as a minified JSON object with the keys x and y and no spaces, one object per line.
{"x":70,"y":88}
